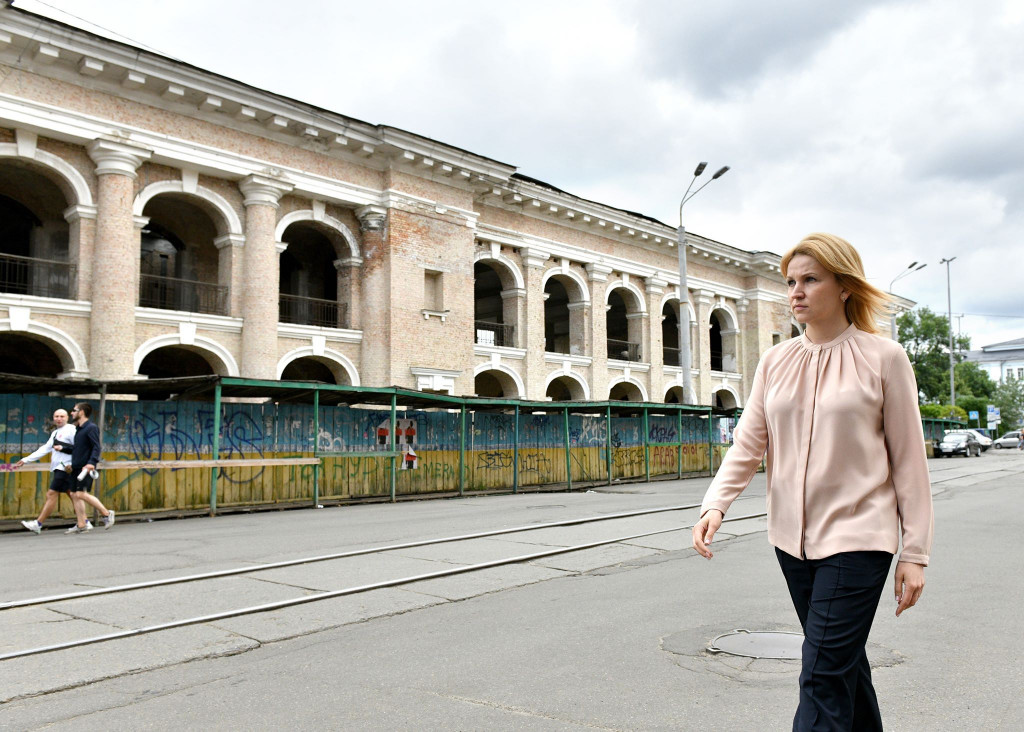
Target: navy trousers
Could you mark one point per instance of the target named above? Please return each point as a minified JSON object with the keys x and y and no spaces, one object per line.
{"x":835,"y":599}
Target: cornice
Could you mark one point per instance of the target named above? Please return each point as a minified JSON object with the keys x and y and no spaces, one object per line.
{"x":48,"y":305}
{"x":155,"y":316}
{"x":334,"y":335}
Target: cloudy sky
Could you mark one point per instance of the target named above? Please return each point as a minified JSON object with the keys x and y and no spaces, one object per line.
{"x":892,"y":123}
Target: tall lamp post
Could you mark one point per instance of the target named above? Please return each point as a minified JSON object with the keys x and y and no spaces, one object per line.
{"x":912,"y":268}
{"x":949,"y":306}
{"x":684,"y":298}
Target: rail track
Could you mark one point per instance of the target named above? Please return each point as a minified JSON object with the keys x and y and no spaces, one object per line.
{"x":356,"y":589}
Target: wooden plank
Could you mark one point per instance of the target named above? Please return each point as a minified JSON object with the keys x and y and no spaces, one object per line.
{"x":156,"y":464}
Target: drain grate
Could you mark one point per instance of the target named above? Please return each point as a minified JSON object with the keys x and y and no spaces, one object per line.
{"x":774,"y":644}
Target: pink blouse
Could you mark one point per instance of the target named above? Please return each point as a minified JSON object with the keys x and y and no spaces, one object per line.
{"x":846,"y":457}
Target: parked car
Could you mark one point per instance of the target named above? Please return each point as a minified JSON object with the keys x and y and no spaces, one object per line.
{"x":985,"y":440}
{"x":958,"y":443}
{"x":1010,"y":439}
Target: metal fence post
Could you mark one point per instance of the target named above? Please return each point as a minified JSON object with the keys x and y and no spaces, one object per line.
{"x":316,"y":446}
{"x":515,"y":455}
{"x":462,"y":450}
{"x":568,"y":459}
{"x":647,"y":448}
{"x":679,"y":432}
{"x":608,"y":442}
{"x":214,"y":472}
{"x":711,"y":447}
{"x":394,"y":446}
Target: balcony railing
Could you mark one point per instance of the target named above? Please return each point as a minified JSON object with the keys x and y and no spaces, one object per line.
{"x":623,"y":350}
{"x":172,"y":293}
{"x":495,"y":334}
{"x":671,"y":356}
{"x":312,"y":311}
{"x":39,"y":277}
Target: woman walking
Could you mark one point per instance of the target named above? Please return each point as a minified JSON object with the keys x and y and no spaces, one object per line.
{"x":836,"y":412}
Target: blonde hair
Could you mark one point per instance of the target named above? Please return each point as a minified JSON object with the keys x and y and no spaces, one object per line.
{"x":866,"y":303}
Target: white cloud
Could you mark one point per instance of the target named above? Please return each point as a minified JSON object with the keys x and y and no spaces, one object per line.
{"x":894,"y":123}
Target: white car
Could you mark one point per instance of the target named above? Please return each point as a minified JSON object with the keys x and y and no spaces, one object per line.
{"x":984,"y":440}
{"x":1010,"y":439}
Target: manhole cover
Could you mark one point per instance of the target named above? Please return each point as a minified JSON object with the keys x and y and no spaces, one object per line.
{"x":775,"y":644}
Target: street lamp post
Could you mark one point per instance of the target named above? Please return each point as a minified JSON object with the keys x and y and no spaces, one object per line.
{"x":684,"y":298}
{"x":912,"y":268}
{"x":949,"y":306}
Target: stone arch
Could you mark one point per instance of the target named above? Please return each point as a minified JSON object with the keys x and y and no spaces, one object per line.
{"x":734,"y":396}
{"x":224,"y":365}
{"x":69,"y":180}
{"x":731,"y":320}
{"x":571,"y":375}
{"x":724,"y":339}
{"x":71,"y":355}
{"x":632,"y":382}
{"x":340,"y":359}
{"x":674,"y":297}
{"x":503,"y":264}
{"x":583,"y":294}
{"x":324,"y":220}
{"x":795,"y":329}
{"x":508,"y":374}
{"x":226,"y":220}
{"x":630,"y":286}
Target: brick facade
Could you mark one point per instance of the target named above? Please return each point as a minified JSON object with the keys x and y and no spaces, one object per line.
{"x":221,"y":202}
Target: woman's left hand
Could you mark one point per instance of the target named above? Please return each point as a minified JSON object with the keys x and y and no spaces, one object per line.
{"x":909,"y":585}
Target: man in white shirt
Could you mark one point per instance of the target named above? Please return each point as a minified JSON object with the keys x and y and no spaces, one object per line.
{"x":59,"y":447}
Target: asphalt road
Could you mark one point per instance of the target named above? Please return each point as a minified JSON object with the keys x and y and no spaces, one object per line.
{"x":611,"y":638}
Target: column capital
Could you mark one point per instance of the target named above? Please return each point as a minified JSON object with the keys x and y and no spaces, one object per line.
{"x":229,"y":240}
{"x":742,"y":304}
{"x":78,"y":212}
{"x":655,"y":285}
{"x":371,"y":218}
{"x":262,"y":189}
{"x":704,"y":297}
{"x":340,"y":264}
{"x":598,"y":271}
{"x":533,"y":257}
{"x":117,"y":156}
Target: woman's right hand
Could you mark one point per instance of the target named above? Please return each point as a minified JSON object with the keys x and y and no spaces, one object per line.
{"x":704,"y":530}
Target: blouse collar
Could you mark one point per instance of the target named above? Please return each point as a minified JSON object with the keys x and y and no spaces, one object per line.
{"x":846,"y":334}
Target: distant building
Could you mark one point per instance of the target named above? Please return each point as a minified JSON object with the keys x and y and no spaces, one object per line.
{"x":1001,"y":361}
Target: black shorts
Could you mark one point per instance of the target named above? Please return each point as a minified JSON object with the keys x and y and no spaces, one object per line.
{"x":63,"y":482}
{"x":84,"y":485}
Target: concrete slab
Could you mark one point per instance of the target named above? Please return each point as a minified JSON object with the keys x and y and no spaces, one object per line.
{"x":323,"y":615}
{"x":589,"y":559}
{"x":461,"y":587}
{"x":23,"y":677}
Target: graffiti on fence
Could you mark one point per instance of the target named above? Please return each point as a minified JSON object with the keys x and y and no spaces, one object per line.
{"x":534,"y":462}
{"x":494,"y":459}
{"x":662,"y":434}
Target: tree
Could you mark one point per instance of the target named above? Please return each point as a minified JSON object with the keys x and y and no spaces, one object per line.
{"x":974,"y":404}
{"x":925,"y":336}
{"x":972,"y":381}
{"x":1009,"y":397}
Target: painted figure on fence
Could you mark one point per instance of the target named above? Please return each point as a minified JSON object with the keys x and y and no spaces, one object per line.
{"x":58,"y":446}
{"x":85,"y":456}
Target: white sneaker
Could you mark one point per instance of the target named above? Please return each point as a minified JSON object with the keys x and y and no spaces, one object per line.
{"x":34,"y":526}
{"x":108,"y":520}
{"x":80,"y":529}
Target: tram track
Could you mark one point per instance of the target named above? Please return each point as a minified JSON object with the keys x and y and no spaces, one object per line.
{"x":326,"y":595}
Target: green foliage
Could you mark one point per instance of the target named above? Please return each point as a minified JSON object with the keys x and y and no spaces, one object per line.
{"x":1009,"y":397}
{"x":942,"y":411}
{"x":975,"y":404}
{"x":925,"y":336}
{"x":971,"y":381}
{"x":930,"y":411}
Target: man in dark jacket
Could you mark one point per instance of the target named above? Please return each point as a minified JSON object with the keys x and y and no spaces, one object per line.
{"x":84,"y":458}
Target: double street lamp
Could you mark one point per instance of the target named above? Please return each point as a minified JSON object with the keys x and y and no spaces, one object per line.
{"x":914,"y":267}
{"x":684,"y":299}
